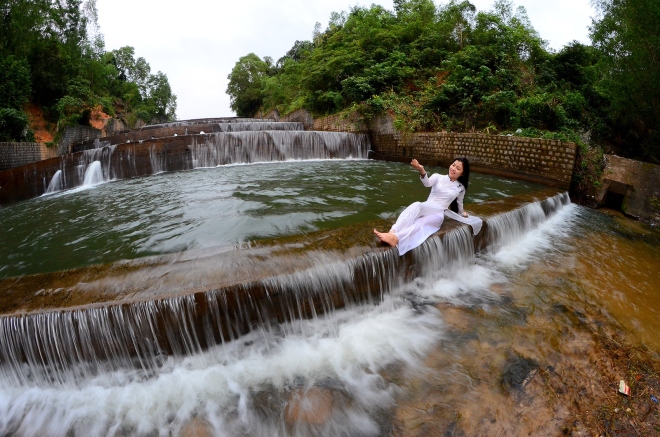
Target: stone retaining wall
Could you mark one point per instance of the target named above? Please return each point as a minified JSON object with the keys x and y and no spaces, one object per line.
{"x":632,"y":186}
{"x":548,"y":162}
{"x":17,"y":154}
{"x":77,"y":134}
{"x":544,"y":161}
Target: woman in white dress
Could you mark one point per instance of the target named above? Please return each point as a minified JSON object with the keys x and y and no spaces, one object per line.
{"x":422,"y":219}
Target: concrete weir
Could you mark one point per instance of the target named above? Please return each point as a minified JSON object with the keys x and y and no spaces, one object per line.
{"x":185,"y":152}
{"x":61,"y":326}
{"x":107,"y":317}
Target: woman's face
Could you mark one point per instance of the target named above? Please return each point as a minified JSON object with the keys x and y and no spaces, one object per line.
{"x":455,"y":170}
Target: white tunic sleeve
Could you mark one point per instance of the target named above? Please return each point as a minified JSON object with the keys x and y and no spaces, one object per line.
{"x":429,"y":181}
{"x":459,"y":200}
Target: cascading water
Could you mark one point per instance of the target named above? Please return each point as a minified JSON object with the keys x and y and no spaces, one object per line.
{"x":251,"y":360}
{"x":259,"y":126}
{"x":95,"y":167}
{"x":511,"y":226}
{"x":93,"y":174}
{"x":55,"y":183}
{"x":223,"y":120}
{"x":157,"y":160}
{"x":210,"y":150}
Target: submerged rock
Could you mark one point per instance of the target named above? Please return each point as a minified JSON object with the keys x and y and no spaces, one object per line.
{"x":518,"y":372}
{"x":313,"y":406}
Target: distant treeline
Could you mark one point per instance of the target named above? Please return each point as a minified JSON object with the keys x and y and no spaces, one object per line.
{"x":452,"y":67}
{"x":52,"y":56}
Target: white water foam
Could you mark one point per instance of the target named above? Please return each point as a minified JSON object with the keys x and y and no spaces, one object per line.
{"x":344,"y":351}
{"x":55,"y":183}
{"x":470,"y":281}
{"x":93,"y":174}
{"x":525,"y":248}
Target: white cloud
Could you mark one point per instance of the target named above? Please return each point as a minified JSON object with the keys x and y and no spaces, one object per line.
{"x":196,"y":42}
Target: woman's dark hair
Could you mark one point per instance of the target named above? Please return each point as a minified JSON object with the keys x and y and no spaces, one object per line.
{"x":464,"y":179}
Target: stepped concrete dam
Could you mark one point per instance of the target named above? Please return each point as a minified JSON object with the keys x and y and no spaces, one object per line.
{"x":221,"y":277}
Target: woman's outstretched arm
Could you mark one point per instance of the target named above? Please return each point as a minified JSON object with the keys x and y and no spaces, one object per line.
{"x":419,"y":167}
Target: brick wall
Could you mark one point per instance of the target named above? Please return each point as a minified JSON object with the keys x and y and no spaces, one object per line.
{"x":17,"y":154}
{"x":76,"y":134}
{"x":339,"y":123}
{"x":548,"y":162}
{"x":545,"y":161}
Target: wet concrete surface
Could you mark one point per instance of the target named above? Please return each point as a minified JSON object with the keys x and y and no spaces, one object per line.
{"x":200,"y":270}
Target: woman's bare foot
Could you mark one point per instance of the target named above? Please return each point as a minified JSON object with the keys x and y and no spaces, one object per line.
{"x":388,"y":238}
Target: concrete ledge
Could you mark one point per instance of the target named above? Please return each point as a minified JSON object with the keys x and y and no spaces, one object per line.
{"x":202,"y":270}
{"x":631,"y":186}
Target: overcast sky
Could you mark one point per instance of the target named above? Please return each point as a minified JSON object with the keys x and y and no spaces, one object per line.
{"x":197,"y":42}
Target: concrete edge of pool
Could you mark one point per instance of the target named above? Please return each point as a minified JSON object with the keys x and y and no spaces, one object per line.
{"x":162,"y":277}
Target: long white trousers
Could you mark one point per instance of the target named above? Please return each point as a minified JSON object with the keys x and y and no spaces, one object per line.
{"x":421,"y":220}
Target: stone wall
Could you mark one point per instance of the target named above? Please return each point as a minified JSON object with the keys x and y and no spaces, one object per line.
{"x":353,"y":123}
{"x":548,"y":162}
{"x":632,"y":186}
{"x":17,"y":154}
{"x":76,"y":134}
{"x":544,"y":161}
{"x":301,"y":116}
{"x":339,"y":123}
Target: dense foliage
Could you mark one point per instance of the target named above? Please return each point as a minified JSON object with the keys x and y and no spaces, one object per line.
{"x":628,"y":35}
{"x":52,"y":55}
{"x":451,"y":67}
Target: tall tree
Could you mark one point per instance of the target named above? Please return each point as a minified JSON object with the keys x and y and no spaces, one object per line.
{"x":14,"y":93}
{"x":627,"y":32}
{"x":245,"y":83}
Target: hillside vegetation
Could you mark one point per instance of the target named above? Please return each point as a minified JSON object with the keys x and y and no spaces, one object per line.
{"x":448,"y":66}
{"x":52,"y":56}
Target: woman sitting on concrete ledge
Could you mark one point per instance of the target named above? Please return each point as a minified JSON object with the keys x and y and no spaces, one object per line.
{"x":422,"y":219}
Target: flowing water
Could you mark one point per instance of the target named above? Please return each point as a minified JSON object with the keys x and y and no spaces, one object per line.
{"x":445,"y":337}
{"x":209,"y":207}
{"x":428,"y":358}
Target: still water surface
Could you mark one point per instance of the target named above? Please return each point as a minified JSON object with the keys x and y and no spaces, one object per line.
{"x":211,"y":207}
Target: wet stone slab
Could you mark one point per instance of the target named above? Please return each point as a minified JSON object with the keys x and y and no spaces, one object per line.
{"x":197,"y":271}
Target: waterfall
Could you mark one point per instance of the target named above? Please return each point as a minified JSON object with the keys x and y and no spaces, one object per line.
{"x":93,"y":174}
{"x":55,"y":183}
{"x":226,"y":120}
{"x":207,"y":150}
{"x":511,"y":226}
{"x":259,"y":126}
{"x":95,"y":166}
{"x":157,"y":160}
{"x":70,"y":347}
{"x":265,"y":146}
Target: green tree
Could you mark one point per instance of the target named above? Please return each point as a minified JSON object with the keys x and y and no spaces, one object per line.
{"x":137,"y":71}
{"x":13,"y":125}
{"x":160,"y":102}
{"x":245,"y":83}
{"x":14,"y":93}
{"x":15,"y":84}
{"x":628,"y":35}
{"x":52,"y":54}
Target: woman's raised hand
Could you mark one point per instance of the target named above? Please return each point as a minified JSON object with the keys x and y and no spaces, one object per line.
{"x":417,"y":166}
